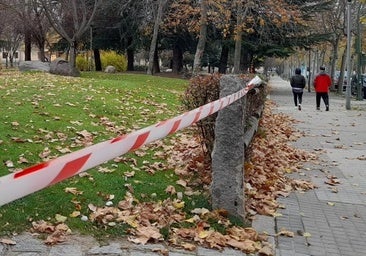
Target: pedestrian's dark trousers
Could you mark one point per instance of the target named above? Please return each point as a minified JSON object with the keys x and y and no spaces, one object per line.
{"x":324,"y":96}
{"x":297,"y":97}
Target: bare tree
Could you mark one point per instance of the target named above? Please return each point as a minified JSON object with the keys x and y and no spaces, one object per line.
{"x":71,"y":19}
{"x":39,"y":27}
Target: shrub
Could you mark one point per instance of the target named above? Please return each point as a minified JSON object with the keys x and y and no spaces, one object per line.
{"x":202,"y":90}
{"x":205,"y":89}
{"x":82,"y":63}
{"x":111,"y":58}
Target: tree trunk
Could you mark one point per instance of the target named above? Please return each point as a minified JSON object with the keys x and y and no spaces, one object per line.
{"x":72,"y":61}
{"x":246,"y":61}
{"x":177,"y":64}
{"x":224,"y":59}
{"x":130,"y":59}
{"x":154,"y":40}
{"x":42,"y":54}
{"x":130,"y":55}
{"x":341,"y":75}
{"x":97,"y":60}
{"x":156,"y":66}
{"x":27,"y":46}
{"x":11,"y":60}
{"x":238,"y":38}
{"x":334,"y":60}
{"x":202,"y":39}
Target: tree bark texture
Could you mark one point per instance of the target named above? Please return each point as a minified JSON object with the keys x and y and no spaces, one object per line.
{"x":202,"y":39}
{"x":154,"y":40}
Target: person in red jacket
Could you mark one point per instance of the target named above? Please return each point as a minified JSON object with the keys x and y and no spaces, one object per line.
{"x":322,"y":83}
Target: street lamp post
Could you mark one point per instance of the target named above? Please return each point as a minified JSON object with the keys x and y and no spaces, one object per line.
{"x":349,"y":73}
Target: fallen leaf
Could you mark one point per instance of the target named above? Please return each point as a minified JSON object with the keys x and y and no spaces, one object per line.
{"x":285,"y":232}
{"x":7,"y":241}
{"x":306,"y":234}
{"x":129,"y":174}
{"x":178,"y":204}
{"x":59,"y":218}
{"x":247,"y":246}
{"x":189,"y":246}
{"x":73,"y":191}
{"x":181,"y":182}
{"x":266,"y":251}
{"x":75,"y":214}
{"x":170,"y":190}
{"x":200,"y":211}
{"x":9,"y":164}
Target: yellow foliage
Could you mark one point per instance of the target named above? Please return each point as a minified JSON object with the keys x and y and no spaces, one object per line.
{"x":119,"y":61}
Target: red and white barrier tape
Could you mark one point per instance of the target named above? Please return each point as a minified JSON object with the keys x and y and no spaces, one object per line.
{"x":32,"y":179}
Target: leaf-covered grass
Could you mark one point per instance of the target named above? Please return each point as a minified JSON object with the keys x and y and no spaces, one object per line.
{"x":44,"y":116}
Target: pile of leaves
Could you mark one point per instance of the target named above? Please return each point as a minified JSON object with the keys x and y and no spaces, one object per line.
{"x":168,"y":220}
{"x":270,"y":159}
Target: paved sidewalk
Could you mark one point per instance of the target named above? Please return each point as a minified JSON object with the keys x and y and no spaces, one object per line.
{"x":332,"y":217}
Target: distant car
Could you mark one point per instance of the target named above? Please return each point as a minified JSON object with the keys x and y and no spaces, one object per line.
{"x":363,"y":77}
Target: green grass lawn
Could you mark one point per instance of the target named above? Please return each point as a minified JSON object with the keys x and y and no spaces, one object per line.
{"x":45,"y":116}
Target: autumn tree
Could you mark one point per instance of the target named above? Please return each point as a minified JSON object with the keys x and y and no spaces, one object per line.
{"x":179,"y":29}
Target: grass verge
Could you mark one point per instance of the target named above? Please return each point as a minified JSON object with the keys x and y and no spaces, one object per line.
{"x":45,"y":116}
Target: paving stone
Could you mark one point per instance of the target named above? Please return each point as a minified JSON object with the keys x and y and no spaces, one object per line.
{"x":26,"y":243}
{"x":112,"y":249}
{"x":62,"y":250}
{"x":181,"y":253}
{"x":143,"y":253}
{"x":227,"y":252}
{"x":264,"y":224}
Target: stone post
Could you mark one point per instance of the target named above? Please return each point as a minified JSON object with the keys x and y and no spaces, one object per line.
{"x":227,"y":188}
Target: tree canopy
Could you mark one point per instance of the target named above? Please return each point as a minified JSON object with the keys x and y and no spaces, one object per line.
{"x":210,"y":28}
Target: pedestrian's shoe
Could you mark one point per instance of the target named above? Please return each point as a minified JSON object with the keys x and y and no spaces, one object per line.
{"x":327,"y":108}
{"x":317,"y":108}
{"x":299,"y":106}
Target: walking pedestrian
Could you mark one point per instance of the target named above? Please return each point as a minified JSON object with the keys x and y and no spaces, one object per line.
{"x":322,"y":83}
{"x":298,"y":83}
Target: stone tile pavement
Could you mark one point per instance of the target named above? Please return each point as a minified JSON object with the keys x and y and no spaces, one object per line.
{"x":332,"y":217}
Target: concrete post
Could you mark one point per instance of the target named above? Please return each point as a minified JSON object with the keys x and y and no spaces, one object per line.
{"x":227,"y":188}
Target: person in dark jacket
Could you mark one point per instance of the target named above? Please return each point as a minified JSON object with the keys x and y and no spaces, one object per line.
{"x":298,"y":83}
{"x":322,"y":83}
